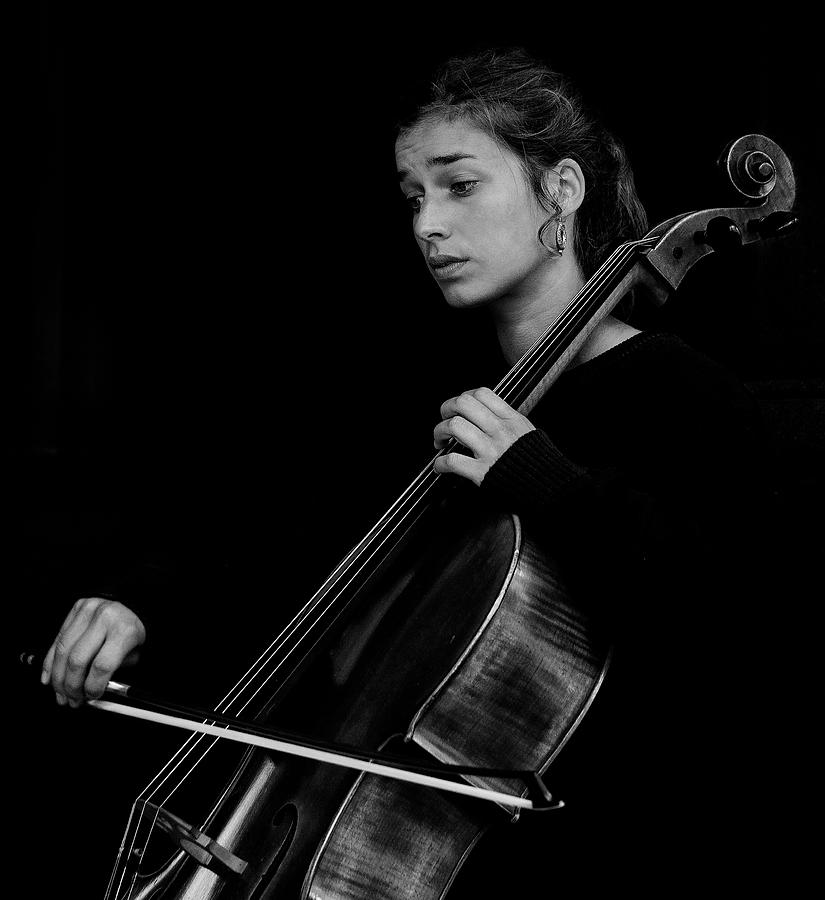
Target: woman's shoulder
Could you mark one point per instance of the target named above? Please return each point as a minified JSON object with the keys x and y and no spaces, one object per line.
{"x":657,"y":375}
{"x":653,"y":354}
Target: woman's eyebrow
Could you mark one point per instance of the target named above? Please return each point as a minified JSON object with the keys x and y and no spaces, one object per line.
{"x":449,"y":158}
{"x":433,"y":161}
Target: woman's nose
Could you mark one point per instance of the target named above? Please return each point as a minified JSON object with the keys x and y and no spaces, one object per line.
{"x":431,"y":222}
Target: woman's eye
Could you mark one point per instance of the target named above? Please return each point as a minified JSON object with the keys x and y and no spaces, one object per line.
{"x":462,"y":188}
{"x":457,"y":188}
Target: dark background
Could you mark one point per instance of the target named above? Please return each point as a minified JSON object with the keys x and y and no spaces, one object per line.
{"x":224,"y":358}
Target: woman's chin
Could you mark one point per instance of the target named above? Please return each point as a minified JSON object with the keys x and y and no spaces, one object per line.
{"x":463,"y":296}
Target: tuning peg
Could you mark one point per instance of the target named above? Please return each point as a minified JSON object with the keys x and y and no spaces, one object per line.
{"x":776,"y":224}
{"x":721,"y":233}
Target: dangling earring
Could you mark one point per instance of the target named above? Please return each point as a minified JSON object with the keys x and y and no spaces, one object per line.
{"x":561,"y":236}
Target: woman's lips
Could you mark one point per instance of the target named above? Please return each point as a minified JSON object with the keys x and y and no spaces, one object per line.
{"x":447,"y":268}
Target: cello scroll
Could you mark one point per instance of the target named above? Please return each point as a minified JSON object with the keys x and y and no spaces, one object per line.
{"x":759,"y":171}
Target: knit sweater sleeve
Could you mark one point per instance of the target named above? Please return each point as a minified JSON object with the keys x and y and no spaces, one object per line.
{"x":575,"y":505}
{"x":534,"y":474}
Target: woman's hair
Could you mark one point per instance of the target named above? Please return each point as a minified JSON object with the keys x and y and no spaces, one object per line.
{"x":539,"y":116}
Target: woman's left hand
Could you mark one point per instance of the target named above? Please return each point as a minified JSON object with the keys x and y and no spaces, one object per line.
{"x":483,"y":423}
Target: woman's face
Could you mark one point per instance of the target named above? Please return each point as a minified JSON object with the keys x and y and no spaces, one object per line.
{"x":474,"y":215}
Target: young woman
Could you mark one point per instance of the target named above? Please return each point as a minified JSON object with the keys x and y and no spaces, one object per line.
{"x":641,"y":469}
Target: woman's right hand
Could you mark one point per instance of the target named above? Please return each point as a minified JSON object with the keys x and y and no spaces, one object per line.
{"x":97,"y":638}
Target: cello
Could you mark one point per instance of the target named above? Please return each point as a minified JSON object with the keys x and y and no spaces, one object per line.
{"x":420,"y":641}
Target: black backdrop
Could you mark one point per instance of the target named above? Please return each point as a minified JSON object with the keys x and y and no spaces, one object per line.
{"x":226,"y":356}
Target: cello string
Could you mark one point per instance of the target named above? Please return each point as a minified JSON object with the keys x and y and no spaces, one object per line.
{"x":519,"y":375}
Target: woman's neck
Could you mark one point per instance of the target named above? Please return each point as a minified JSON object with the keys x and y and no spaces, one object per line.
{"x":520,"y":322}
{"x":520,"y":319}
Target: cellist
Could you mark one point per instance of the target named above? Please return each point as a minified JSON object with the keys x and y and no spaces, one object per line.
{"x":643,"y":468}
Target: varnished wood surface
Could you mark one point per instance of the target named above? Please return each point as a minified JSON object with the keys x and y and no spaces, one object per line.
{"x":510,"y":701}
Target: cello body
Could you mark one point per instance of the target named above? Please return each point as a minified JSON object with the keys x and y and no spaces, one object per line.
{"x":523,"y":664}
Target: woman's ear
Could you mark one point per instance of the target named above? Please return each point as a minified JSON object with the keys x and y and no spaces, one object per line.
{"x":565,"y":182}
